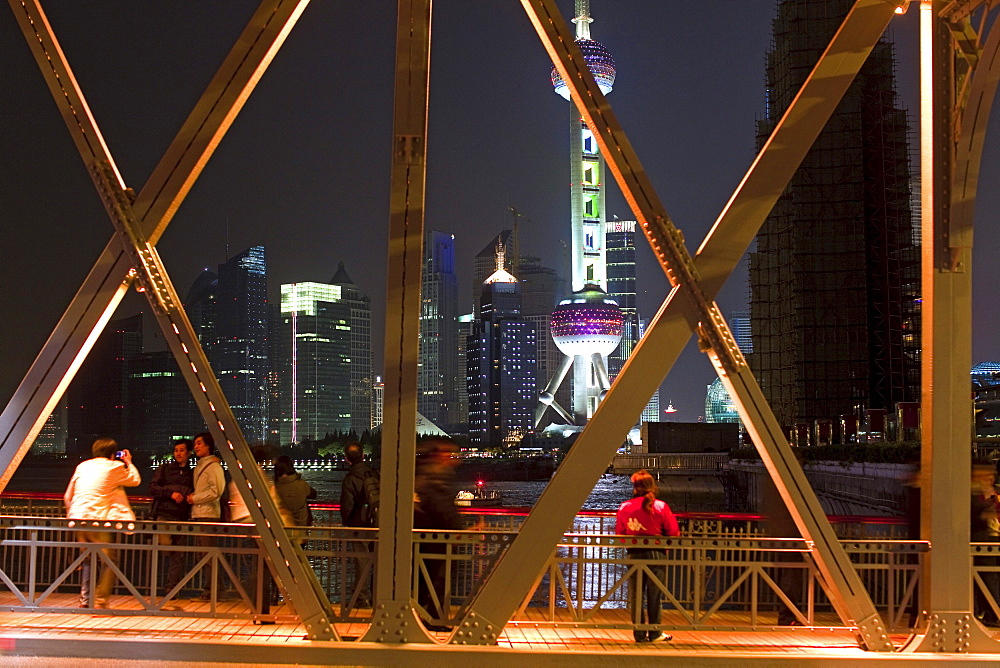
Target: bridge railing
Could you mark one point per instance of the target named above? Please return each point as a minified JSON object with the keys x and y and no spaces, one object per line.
{"x":707,"y":583}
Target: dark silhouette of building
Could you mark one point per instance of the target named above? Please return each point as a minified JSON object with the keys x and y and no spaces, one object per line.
{"x":835,"y":276}
{"x":161,"y":408}
{"x":97,"y":401}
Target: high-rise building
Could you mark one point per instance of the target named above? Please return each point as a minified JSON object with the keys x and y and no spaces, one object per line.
{"x":465,"y":326}
{"x":361,"y":350}
{"x":501,"y":360}
{"x":162,"y":409}
{"x":239,"y":354}
{"x":378,"y":401}
{"x":52,"y":437}
{"x":437,"y":375}
{"x":835,"y":276}
{"x":621,"y":257}
{"x":311,"y":362}
{"x":229,"y":313}
{"x":97,"y":400}
{"x":485,"y":263}
{"x":541,"y":290}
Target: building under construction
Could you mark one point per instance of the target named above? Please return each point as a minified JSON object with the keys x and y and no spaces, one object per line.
{"x":834,"y":279}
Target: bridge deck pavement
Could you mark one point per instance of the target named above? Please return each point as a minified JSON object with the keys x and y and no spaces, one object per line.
{"x":117,"y":637}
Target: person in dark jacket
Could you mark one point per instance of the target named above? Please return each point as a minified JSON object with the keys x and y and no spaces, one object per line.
{"x":434,"y":508}
{"x":169,"y":488}
{"x":357,"y":510}
{"x":355,"y":506}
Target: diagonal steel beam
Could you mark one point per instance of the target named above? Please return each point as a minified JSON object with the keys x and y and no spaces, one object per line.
{"x":105,"y":285}
{"x":688,"y":307}
{"x":285,"y":557}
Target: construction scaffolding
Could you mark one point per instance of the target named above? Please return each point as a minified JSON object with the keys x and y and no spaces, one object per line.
{"x":834,"y":280}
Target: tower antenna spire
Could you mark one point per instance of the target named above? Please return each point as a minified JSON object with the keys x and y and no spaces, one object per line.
{"x":582,"y":19}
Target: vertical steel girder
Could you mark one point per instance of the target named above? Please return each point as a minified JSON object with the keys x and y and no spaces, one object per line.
{"x":168,"y":185}
{"x":394,"y":619}
{"x":271,"y":23}
{"x":958,"y":83}
{"x":689,"y":308}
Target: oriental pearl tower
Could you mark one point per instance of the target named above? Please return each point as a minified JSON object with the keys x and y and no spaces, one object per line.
{"x":587,"y":327}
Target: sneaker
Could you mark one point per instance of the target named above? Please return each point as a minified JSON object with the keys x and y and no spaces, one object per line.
{"x":654,"y":636}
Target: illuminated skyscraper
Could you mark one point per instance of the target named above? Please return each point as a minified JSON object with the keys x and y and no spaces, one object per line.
{"x":501,"y":356}
{"x":437,"y":375}
{"x":229,"y":313}
{"x":621,"y":256}
{"x":361,"y":349}
{"x":312,"y":363}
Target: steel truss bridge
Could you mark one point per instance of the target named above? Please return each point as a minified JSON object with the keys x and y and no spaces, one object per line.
{"x":959,"y":74}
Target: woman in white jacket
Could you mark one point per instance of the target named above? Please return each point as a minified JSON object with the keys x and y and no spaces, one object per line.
{"x":97,"y":492}
{"x":209,"y":484}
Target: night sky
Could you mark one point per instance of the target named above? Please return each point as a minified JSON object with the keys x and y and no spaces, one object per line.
{"x":305,"y":168}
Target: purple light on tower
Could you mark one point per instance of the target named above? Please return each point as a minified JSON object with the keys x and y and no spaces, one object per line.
{"x":587,"y":323}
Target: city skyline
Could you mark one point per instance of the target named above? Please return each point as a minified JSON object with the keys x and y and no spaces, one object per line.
{"x":268,"y":182}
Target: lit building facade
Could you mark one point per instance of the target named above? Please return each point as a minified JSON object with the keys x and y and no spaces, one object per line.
{"x":437,"y":374}
{"x":501,"y":360}
{"x":378,"y":401}
{"x":229,"y":313}
{"x":311,"y":359}
{"x":621,"y":268}
{"x":163,"y":409}
{"x":361,"y":349}
{"x":719,"y":406}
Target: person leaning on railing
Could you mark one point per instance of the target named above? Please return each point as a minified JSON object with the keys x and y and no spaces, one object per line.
{"x":96,"y":492}
{"x":645,"y":515}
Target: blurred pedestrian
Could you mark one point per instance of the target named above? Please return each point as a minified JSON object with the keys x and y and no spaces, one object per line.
{"x":984,"y":527}
{"x":434,"y":508}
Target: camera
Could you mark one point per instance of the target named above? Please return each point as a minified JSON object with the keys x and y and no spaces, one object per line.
{"x":120,"y":455}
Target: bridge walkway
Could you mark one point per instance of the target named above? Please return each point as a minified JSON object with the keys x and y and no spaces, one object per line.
{"x":208,"y":640}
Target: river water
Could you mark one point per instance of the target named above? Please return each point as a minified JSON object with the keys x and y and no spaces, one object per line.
{"x":608,"y":493}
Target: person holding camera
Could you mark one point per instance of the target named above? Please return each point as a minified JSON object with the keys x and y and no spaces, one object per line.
{"x":96,"y":492}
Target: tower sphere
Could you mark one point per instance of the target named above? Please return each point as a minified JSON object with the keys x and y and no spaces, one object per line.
{"x":588,"y":322}
{"x":601,"y":65}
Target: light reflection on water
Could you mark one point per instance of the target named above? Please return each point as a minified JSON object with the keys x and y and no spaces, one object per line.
{"x":609,"y":492}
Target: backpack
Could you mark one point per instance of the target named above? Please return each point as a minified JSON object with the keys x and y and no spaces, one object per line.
{"x":372,"y":483}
